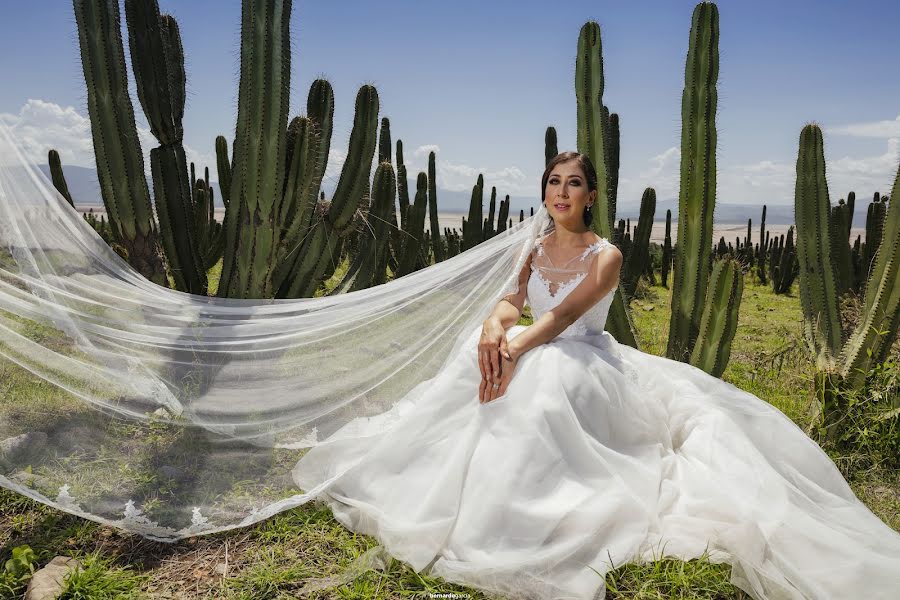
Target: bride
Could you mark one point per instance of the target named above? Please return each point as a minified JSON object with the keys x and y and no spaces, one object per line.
{"x":544,"y":456}
{"x":524,"y":461}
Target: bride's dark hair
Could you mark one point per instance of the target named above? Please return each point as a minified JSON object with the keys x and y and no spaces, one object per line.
{"x":590,"y":173}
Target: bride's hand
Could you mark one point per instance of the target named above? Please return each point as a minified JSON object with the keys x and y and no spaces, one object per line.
{"x":507,"y":368}
{"x":493,"y":341}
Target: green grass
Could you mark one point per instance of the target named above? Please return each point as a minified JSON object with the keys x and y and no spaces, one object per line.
{"x":272,"y":559}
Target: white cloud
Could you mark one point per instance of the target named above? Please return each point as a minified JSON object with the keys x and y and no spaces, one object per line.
{"x":773,"y":182}
{"x":876,"y":129}
{"x":452,"y":176}
{"x":661,"y":174}
{"x":41,"y":125}
{"x":425,"y":150}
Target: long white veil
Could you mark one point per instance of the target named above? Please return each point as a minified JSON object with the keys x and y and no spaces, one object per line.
{"x":172,"y":415}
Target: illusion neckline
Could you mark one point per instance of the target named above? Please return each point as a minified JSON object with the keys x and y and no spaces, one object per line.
{"x":587,"y":249}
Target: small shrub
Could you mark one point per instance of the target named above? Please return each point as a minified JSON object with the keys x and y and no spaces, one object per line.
{"x":870,"y":430}
{"x":17,"y":571}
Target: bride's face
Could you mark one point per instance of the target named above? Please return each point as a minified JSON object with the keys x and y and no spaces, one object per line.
{"x":567,"y":195}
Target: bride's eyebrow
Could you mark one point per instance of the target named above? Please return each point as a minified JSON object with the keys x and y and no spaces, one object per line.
{"x":570,"y":176}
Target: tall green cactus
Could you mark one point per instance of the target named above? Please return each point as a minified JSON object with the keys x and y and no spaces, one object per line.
{"x":58,"y":177}
{"x":251,"y":223}
{"x":550,"y":147}
{"x":474,"y":225}
{"x":720,"y":317}
{"x":367,"y":267}
{"x":697,"y":194}
{"x":763,"y":249}
{"x":314,"y":260}
{"x":120,"y":162}
{"x":639,"y":251}
{"x":818,"y":281}
{"x":591,"y":140}
{"x":667,"y":250}
{"x":840,"y":240}
{"x":436,"y":243}
{"x":612,"y":162}
{"x":157,"y":58}
{"x":384,"y":141}
{"x":415,"y":220}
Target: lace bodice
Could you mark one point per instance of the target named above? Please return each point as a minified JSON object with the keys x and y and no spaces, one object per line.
{"x":549,"y":284}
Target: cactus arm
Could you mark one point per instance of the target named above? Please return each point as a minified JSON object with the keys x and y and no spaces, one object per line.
{"x":720,"y":318}
{"x":354,"y":177}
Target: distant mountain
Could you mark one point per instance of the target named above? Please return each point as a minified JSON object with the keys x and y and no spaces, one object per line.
{"x":85,"y":189}
{"x":776,"y":214}
{"x":83,"y":183}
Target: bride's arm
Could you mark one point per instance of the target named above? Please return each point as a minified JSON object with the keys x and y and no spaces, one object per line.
{"x":509,"y":308}
{"x":601,"y":278}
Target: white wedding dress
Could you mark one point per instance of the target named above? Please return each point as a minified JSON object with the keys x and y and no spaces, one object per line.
{"x":598,"y":455}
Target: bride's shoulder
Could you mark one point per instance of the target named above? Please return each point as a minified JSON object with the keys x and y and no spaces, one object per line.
{"x":608,"y":249}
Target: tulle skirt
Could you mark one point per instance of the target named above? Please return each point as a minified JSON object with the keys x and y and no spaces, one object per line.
{"x":599,"y":455}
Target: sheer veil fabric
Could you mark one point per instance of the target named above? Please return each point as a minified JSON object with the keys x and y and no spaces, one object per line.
{"x":207,"y":403}
{"x":173,"y":415}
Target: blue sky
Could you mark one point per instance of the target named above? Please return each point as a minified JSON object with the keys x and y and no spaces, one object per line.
{"x":479,"y":82}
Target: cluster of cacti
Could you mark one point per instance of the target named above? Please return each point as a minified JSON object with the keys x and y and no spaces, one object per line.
{"x":477,"y":227}
{"x":208,"y":232}
{"x":100,"y":226}
{"x":783,"y":264}
{"x":842,"y":362}
{"x":636,"y":250}
{"x":276,"y":239}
